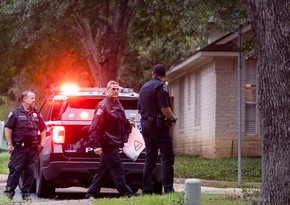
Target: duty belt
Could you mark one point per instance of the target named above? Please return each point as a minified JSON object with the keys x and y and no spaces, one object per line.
{"x":19,"y":144}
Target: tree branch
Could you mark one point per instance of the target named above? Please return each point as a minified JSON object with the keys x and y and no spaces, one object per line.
{"x":102,"y":24}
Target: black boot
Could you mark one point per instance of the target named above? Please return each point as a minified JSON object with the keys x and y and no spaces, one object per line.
{"x":9,"y":193}
{"x":26,"y":196}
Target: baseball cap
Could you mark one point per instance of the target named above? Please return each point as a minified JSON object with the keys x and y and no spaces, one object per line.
{"x":160,"y":70}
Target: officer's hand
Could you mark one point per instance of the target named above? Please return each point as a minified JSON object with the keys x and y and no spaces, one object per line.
{"x":40,"y":148}
{"x":98,"y":151}
{"x":10,"y":148}
{"x":173,"y":122}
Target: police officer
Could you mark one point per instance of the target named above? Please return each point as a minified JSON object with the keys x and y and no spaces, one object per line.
{"x":108,"y":132}
{"x":157,"y":118}
{"x":21,"y":132}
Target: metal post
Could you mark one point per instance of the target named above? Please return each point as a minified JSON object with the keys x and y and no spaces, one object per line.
{"x":240,"y":40}
{"x":192,"y":192}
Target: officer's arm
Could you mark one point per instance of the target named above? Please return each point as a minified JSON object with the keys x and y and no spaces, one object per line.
{"x":168,"y":113}
{"x":42,"y":128}
{"x":8,"y":133}
{"x":97,"y":126}
{"x":8,"y":136}
{"x":42,"y":138}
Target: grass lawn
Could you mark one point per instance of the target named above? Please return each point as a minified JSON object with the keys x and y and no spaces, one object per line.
{"x":174,"y":199}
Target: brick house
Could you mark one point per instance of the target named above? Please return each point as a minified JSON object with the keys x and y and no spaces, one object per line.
{"x":204,"y":88}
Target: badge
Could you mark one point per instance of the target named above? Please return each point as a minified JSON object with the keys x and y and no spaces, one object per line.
{"x":165,"y":88}
{"x":99,"y":111}
{"x":34,"y":114}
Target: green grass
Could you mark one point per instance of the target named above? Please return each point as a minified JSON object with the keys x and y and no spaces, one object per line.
{"x":168,"y":199}
{"x":176,"y":198}
{"x":173,"y":199}
{"x":225,"y":169}
{"x":4,"y":158}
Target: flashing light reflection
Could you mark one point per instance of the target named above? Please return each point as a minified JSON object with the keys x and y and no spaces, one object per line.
{"x":69,"y":88}
{"x":84,"y":115}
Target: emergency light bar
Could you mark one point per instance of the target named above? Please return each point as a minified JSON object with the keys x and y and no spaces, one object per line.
{"x":71,"y":89}
{"x":97,"y":89}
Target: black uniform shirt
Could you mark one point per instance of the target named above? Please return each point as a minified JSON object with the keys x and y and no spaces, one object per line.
{"x":110,"y":125}
{"x":152,"y":97}
{"x":25,"y":124}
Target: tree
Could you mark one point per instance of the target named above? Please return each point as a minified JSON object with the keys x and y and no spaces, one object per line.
{"x":102,"y":27}
{"x":47,"y":29}
{"x":154,"y":38}
{"x":270,"y":23}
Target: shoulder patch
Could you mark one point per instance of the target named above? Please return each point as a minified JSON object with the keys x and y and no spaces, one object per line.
{"x":165,"y":88}
{"x":10,"y":114}
{"x":99,"y":111}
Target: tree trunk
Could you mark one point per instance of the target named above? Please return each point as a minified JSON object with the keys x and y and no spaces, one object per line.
{"x":115,"y":41}
{"x":105,"y":52}
{"x":270,"y":23}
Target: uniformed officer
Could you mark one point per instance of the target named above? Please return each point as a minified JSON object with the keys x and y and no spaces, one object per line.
{"x":108,"y":132}
{"x":157,"y":118}
{"x":21,"y":132}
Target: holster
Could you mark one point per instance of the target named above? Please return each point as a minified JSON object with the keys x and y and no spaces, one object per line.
{"x":160,"y":121}
{"x":150,"y":121}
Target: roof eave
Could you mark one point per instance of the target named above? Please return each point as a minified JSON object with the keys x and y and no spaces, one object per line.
{"x":196,"y":60}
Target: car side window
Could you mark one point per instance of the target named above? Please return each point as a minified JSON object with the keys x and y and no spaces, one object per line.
{"x":46,"y":109}
{"x":56,"y":111}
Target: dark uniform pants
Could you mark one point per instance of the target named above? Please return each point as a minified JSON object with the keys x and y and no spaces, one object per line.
{"x":157,"y":138}
{"x":22,"y":163}
{"x":110,"y":161}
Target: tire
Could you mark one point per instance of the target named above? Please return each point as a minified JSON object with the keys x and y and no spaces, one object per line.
{"x":44,"y":188}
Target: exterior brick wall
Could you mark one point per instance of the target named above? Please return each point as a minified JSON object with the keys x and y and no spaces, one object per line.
{"x":217,"y":133}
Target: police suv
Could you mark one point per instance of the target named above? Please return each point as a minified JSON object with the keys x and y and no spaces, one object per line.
{"x":68,"y":158}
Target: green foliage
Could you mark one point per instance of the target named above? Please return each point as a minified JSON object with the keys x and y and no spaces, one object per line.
{"x":5,"y":107}
{"x":154,"y":38}
{"x":39,"y":51}
{"x":37,"y":34}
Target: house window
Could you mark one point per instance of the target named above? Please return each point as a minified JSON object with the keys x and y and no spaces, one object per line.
{"x":251,"y":99}
{"x":181,"y":103}
{"x":197,"y":94}
{"x":189,"y":91}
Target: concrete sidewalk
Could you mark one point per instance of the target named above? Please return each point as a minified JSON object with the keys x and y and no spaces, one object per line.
{"x":179,"y":185}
